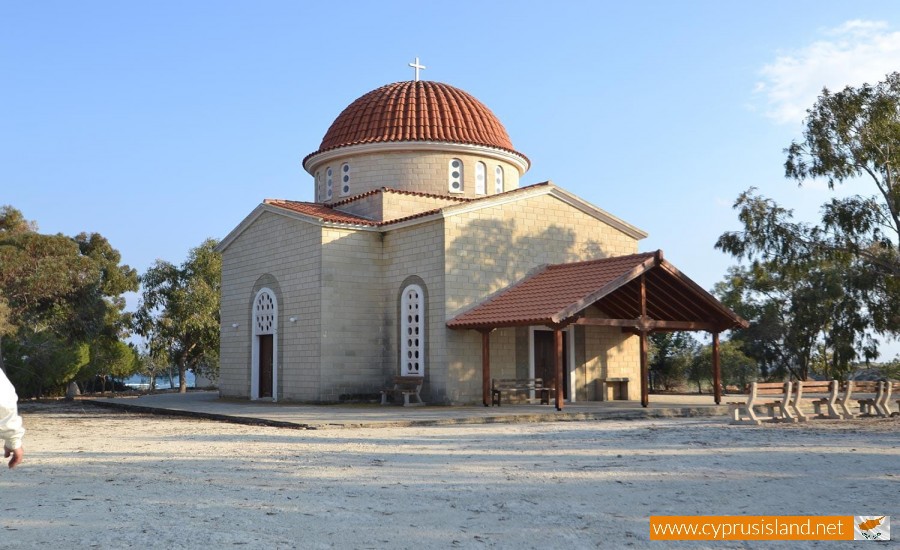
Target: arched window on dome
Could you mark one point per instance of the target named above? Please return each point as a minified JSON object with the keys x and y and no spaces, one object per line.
{"x":412,"y":331}
{"x":498,"y":179}
{"x":345,"y":179}
{"x":480,"y":175}
{"x":320,"y":186}
{"x":456,"y":176}
{"x":329,"y":183}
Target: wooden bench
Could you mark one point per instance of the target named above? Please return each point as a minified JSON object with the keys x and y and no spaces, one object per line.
{"x":892,"y":387}
{"x":408,"y":387}
{"x":824,"y":395}
{"x":512,"y":385}
{"x":777,"y":409}
{"x":871,"y":405}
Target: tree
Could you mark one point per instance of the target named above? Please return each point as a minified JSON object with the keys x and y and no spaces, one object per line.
{"x":850,"y":137}
{"x":798,"y":313}
{"x":179,"y":311}
{"x":737,"y":369}
{"x":111,"y":359}
{"x":58,"y":295}
{"x":152,"y":366}
{"x":670,"y":355}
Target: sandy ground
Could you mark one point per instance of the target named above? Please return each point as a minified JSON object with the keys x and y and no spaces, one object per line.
{"x":96,"y":478}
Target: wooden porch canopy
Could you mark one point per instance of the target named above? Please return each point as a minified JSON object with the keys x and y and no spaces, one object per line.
{"x":639,"y":293}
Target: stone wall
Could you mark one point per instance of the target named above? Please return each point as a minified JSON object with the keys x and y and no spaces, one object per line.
{"x":491,"y":248}
{"x":283,"y":254}
{"x":353,"y":300}
{"x":418,"y":171}
{"x":414,"y":255}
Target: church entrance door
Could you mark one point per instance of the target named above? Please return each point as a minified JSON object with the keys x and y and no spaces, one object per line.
{"x":265,"y":365}
{"x":543,"y":359}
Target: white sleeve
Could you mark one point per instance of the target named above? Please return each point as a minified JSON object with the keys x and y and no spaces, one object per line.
{"x":11,"y":430}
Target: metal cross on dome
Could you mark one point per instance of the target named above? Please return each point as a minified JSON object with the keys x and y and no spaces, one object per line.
{"x":415,"y":65}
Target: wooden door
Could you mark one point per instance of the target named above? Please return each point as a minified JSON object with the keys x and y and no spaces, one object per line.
{"x":265,"y":365}
{"x":544,"y":366}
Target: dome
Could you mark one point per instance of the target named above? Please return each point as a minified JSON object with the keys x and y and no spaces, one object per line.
{"x":416,"y":111}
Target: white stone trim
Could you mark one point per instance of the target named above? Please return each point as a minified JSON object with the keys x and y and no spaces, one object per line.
{"x":569,"y":335}
{"x":314,"y":162}
{"x":257,"y":330}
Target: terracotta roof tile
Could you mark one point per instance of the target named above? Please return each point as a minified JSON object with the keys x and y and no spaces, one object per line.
{"x":399,"y":192}
{"x":329,"y":212}
{"x":321,"y":211}
{"x":416,"y":111}
{"x":536,"y":299}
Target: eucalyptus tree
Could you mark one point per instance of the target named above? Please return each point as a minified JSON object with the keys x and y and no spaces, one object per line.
{"x":838,"y":278}
{"x":179,"y":311}
{"x":851,"y":137}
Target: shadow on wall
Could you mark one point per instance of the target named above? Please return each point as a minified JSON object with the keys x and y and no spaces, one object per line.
{"x":492,"y":254}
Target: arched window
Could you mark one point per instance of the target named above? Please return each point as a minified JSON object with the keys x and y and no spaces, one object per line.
{"x":480,"y":175}
{"x":498,"y":179}
{"x":412,"y":331}
{"x":265,"y":311}
{"x":329,"y":183}
{"x":456,"y":176}
{"x":264,"y":349}
{"x":345,"y":179}
{"x":320,"y":186}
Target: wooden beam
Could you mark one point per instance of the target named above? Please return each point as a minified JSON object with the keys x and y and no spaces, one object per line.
{"x":645,"y":371}
{"x":558,"y":364}
{"x":717,"y":369}
{"x":649,"y":324}
{"x":486,"y":367}
{"x":597,"y":322}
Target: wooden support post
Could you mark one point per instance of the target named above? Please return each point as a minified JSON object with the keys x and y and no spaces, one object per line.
{"x":717,"y":369}
{"x":558,"y":366}
{"x":645,"y":371}
{"x":645,"y":347}
{"x":486,"y":367}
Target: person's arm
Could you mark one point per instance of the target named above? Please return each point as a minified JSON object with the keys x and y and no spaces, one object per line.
{"x":11,"y":430}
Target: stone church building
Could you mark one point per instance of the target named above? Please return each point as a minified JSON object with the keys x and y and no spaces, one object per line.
{"x":423,"y":255}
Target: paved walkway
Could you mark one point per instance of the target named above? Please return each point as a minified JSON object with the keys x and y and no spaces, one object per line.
{"x":207,"y":404}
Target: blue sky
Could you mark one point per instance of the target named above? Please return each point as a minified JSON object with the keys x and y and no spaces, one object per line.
{"x":158,"y":124}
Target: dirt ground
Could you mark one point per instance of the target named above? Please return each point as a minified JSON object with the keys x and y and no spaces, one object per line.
{"x":96,"y":478}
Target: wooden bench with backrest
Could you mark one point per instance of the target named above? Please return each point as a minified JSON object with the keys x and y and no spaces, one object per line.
{"x":408,"y":387}
{"x":513,"y":385}
{"x":763,"y":394}
{"x":820,"y":393}
{"x":871,"y":404}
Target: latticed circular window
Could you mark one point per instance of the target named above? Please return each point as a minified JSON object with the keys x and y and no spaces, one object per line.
{"x":480,"y":177}
{"x":456,"y":176}
{"x":345,"y":179}
{"x":329,"y":183}
{"x":264,"y":312}
{"x":412,"y":337}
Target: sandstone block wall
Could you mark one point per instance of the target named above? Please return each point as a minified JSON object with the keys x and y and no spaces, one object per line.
{"x":422,"y":172}
{"x":283,"y":253}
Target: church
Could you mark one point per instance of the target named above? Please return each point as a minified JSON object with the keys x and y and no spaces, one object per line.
{"x":423,"y":255}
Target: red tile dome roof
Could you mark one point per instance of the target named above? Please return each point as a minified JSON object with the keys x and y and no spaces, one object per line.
{"x":416,"y":111}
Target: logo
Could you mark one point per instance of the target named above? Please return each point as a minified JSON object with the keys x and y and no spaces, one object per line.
{"x":871,"y":527}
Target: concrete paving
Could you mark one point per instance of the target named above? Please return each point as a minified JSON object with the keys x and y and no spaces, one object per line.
{"x":208,"y":404}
